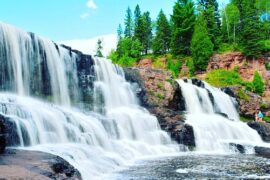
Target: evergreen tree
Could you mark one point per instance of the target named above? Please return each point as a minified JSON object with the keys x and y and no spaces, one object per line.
{"x":137,"y":15}
{"x":258,"y":83}
{"x":201,"y":45}
{"x":144,"y":31}
{"x":212,"y":17}
{"x":128,"y":24}
{"x":251,"y":32}
{"x":183,"y":19}
{"x":99,"y":48}
{"x":119,"y":31}
{"x":161,"y":42}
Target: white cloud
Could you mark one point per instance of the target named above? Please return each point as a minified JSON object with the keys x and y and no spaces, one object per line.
{"x":90,"y":4}
{"x":84,"y":15}
{"x":88,"y":46}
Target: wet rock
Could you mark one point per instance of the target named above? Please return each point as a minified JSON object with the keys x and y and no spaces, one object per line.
{"x":262,"y":151}
{"x":263,"y":129}
{"x":240,"y":148}
{"x":185,"y":135}
{"x":162,"y":96}
{"x":19,"y":164}
{"x":248,"y":102}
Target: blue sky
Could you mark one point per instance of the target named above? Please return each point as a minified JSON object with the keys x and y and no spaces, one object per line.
{"x":74,"y":19}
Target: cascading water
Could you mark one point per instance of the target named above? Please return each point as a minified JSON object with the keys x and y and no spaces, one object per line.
{"x":213,"y":131}
{"x":95,"y":143}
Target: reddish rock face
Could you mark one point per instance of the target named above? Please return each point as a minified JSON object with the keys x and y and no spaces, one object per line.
{"x":145,"y":63}
{"x":246,"y":68}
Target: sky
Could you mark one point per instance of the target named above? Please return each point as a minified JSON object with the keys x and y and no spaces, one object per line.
{"x":74,"y":19}
{"x":61,"y":20}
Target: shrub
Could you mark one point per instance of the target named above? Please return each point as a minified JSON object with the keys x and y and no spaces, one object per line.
{"x":258,"y":84}
{"x":222,"y":78}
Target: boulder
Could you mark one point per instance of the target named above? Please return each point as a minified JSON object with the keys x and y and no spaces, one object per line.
{"x":262,"y":151}
{"x":262,"y":128}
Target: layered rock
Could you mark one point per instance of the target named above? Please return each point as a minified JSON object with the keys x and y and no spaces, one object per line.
{"x":246,"y":67}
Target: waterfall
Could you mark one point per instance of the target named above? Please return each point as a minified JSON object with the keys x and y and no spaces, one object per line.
{"x":214,"y":119}
{"x":31,"y":65}
{"x":95,"y":142}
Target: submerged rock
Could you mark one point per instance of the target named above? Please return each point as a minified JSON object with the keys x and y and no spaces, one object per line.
{"x":263,"y":129}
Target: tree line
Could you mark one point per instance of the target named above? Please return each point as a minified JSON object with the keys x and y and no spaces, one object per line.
{"x":195,"y":30}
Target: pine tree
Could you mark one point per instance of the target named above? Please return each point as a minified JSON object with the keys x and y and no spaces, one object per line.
{"x":161,"y":42}
{"x":144,"y":31}
{"x":128,"y":23}
{"x":99,"y":48}
{"x":201,"y":45}
{"x":137,"y":15}
{"x":119,"y":32}
{"x":212,"y":17}
{"x":251,"y":29}
{"x":183,"y":19}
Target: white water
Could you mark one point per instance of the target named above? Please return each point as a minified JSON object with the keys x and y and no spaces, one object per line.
{"x":21,"y":58}
{"x":213,"y":132}
{"x":96,"y":143}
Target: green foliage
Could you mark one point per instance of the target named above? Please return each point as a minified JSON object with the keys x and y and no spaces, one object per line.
{"x":161,"y":42}
{"x":263,"y":105}
{"x":128,"y":24}
{"x":160,"y":85}
{"x":127,"y":52}
{"x":143,"y":31}
{"x":191,"y":67}
{"x":246,"y":119}
{"x":222,"y":78}
{"x":160,"y":96}
{"x":159,"y":63}
{"x":258,"y":83}
{"x":211,"y":15}
{"x":113,"y":56}
{"x":266,"y":118}
{"x":250,"y":28}
{"x":174,"y":66}
{"x":201,"y":45}
{"x":243,"y":95}
{"x":230,"y":20}
{"x":267,"y":66}
{"x":99,"y":48}
{"x":183,"y":19}
{"x":225,"y":47}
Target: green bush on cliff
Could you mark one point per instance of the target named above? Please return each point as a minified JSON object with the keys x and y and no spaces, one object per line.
{"x":258,"y":83}
{"x":222,"y":78}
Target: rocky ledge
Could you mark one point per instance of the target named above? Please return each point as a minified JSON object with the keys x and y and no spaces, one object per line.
{"x":161,"y":95}
{"x":263,"y":130}
{"x":20,"y":164}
